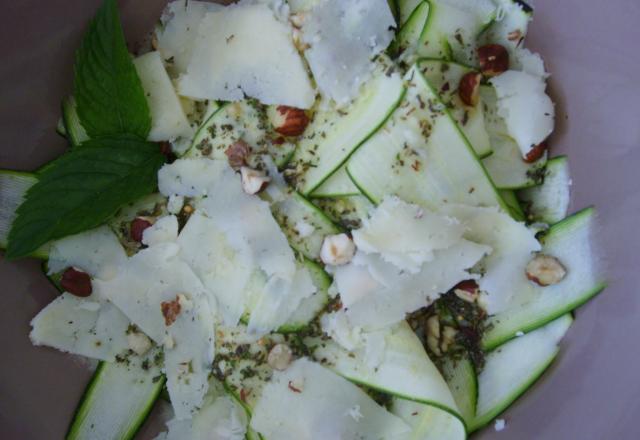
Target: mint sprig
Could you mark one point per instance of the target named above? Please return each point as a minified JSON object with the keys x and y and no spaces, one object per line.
{"x":87,"y":185}
{"x":83,"y":189}
{"x":109,"y":95}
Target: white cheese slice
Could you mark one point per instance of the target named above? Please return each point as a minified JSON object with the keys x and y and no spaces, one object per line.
{"x":504,"y":282}
{"x":279,"y":300}
{"x":343,"y":37}
{"x":307,"y":401}
{"x":83,"y":326}
{"x":247,"y":217}
{"x":220,"y":418}
{"x":223,"y":268}
{"x":529,"y":62}
{"x":377,"y":294}
{"x":235,"y":238}
{"x":151,"y":277}
{"x":526,"y":109}
{"x":402,"y":367}
{"x":177,"y":35}
{"x":405,"y":234}
{"x":189,"y":177}
{"x":97,"y":252}
{"x":232,"y":60}
{"x":168,"y":119}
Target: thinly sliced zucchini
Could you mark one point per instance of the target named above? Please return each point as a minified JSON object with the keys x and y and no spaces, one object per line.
{"x":307,"y":401}
{"x":244,"y":120}
{"x":452,"y":28}
{"x":202,"y":133}
{"x":117,"y":400}
{"x":311,"y":307}
{"x":348,"y":212}
{"x":445,"y":76}
{"x":512,"y":202}
{"x":571,"y":241}
{"x":241,"y":362}
{"x":411,"y":29}
{"x":339,"y":184}
{"x":304,"y":224}
{"x":506,"y":166}
{"x":462,"y":381}
{"x":13,"y":188}
{"x":393,"y":7}
{"x":402,"y":369}
{"x":334,"y":134}
{"x":168,"y":119}
{"x":76,"y":133}
{"x":514,"y":367}
{"x":428,"y":422}
{"x":549,"y":202}
{"x":424,"y":159}
{"x":405,"y":9}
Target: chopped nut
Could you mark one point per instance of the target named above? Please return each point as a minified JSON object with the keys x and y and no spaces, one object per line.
{"x":433,"y":344}
{"x":137,"y":228}
{"x":237,"y":154}
{"x":76,"y":282}
{"x":279,"y":357}
{"x":170,"y":310}
{"x":138,"y":342}
{"x":337,"y":249}
{"x":448,"y":338}
{"x":536,"y":153}
{"x":545,"y":270}
{"x":494,"y":59}
{"x":298,"y":19}
{"x":298,"y":41}
{"x":288,"y":121}
{"x":467,"y":290}
{"x":253,"y":181}
{"x":469,"y":88}
{"x":433,"y":326}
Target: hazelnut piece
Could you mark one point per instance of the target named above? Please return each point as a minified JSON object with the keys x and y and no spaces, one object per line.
{"x":76,"y":282}
{"x":494,"y":59}
{"x":288,"y":121}
{"x":337,"y":249}
{"x":469,"y":88}
{"x":545,"y":270}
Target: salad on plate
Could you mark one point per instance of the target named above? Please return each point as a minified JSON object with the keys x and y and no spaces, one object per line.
{"x":306,"y":219}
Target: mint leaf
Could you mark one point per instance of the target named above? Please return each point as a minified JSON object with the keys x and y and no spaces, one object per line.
{"x":109,"y":95}
{"x":82,"y":189}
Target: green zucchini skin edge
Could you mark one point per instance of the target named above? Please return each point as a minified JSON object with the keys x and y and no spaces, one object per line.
{"x":142,"y":417}
{"x":494,"y":342}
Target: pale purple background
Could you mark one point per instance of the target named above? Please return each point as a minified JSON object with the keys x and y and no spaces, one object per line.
{"x":591,"y":47}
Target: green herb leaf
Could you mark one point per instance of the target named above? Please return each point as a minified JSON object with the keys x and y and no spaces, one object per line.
{"x":109,"y":95}
{"x":82,"y":189}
